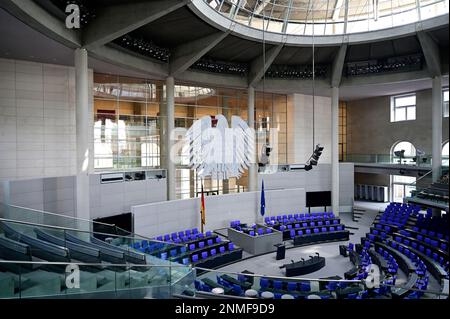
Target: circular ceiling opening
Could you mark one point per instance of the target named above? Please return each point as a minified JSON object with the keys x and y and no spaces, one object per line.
{"x":327,"y":17}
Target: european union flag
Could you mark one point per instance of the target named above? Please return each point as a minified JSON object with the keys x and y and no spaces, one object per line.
{"x":263,"y":200}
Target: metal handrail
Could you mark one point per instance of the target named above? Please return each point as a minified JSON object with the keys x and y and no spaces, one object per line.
{"x":422,"y":177}
{"x":62,"y":216}
{"x":87,"y":264}
{"x":85,"y":231}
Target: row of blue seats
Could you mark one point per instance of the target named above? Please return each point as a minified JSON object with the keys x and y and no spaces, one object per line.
{"x":299,"y":217}
{"x":431,"y":233}
{"x":392,"y":263}
{"x":403,"y":206}
{"x":427,"y":251}
{"x":213,"y":252}
{"x":309,"y":231}
{"x":310,"y":224}
{"x":260,"y":231}
{"x":266,"y":283}
{"x":437,"y":224}
{"x":431,"y":242}
{"x":380,"y":233}
{"x":201,"y":244}
{"x":386,"y":228}
{"x":185,"y":236}
{"x":421,"y":268}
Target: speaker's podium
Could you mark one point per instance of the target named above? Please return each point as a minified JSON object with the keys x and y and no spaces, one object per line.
{"x":281,"y":251}
{"x":256,"y":241}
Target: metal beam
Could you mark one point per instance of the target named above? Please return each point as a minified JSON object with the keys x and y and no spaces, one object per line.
{"x":338,"y":66}
{"x":259,"y":67}
{"x":337,"y":9}
{"x":431,"y":53}
{"x":261,"y":7}
{"x":116,"y":21}
{"x":37,"y":18}
{"x":125,"y":59}
{"x":188,"y":53}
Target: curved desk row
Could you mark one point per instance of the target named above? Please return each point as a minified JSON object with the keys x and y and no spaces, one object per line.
{"x":342,"y":235}
{"x":304,"y":267}
{"x":406,"y":265}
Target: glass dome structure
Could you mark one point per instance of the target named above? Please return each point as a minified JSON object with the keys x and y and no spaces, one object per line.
{"x":327,"y":17}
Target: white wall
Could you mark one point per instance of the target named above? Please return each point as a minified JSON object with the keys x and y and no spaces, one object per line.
{"x":37,"y":120}
{"x":316,"y":180}
{"x":300,"y":127}
{"x":166,"y":217}
{"x":57,"y":195}
{"x":117,"y":198}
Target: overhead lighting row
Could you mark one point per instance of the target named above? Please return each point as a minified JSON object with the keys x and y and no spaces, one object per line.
{"x":297,"y":71}
{"x":395,"y":64}
{"x":144,"y":47}
{"x":221,"y":67}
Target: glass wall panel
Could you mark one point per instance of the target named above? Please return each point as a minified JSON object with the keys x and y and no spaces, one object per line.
{"x":127,"y":125}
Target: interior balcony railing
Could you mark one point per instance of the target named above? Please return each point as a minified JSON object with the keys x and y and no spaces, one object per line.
{"x":424,"y":161}
{"x":434,"y":195}
{"x":39,"y":260}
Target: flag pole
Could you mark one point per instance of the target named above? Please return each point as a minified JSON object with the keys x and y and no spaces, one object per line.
{"x":202,"y":210}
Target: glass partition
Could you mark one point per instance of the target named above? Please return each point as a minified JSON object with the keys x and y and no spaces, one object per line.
{"x":423,"y":160}
{"x":105,"y":265}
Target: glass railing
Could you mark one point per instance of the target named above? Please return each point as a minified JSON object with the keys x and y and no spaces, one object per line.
{"x":422,"y":161}
{"x":223,"y":284}
{"x":429,"y":194}
{"x":23,"y":279}
{"x":106,"y":264}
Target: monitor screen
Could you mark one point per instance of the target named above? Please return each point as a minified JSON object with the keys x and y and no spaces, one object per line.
{"x":124,"y":223}
{"x":318,"y":199}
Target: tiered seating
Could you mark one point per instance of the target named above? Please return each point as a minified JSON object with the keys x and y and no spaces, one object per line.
{"x":202,"y":250}
{"x":419,"y":250}
{"x":437,"y":192}
{"x":429,"y":247}
{"x":434,"y":224}
{"x":28,"y":243}
{"x":308,"y":225}
{"x":397,"y":214}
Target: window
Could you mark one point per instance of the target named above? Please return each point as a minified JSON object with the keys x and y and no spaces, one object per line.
{"x":445,"y":101}
{"x":403,"y":108}
{"x":401,"y":187}
{"x":342,"y":131}
{"x":407,"y":150}
{"x":445,"y":160}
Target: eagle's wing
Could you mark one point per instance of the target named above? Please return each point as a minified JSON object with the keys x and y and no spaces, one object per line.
{"x":196,"y":142}
{"x":244,"y":144}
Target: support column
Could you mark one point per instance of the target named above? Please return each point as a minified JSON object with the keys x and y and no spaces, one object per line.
{"x":170,"y":112}
{"x":335,"y":150}
{"x":253,"y":169}
{"x":437,"y":110}
{"x":82,"y":131}
{"x":162,"y":124}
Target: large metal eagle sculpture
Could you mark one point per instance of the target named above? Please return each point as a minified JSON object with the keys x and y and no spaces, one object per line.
{"x":218,"y":151}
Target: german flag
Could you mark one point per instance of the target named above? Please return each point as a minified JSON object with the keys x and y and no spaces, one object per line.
{"x":202,"y":211}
